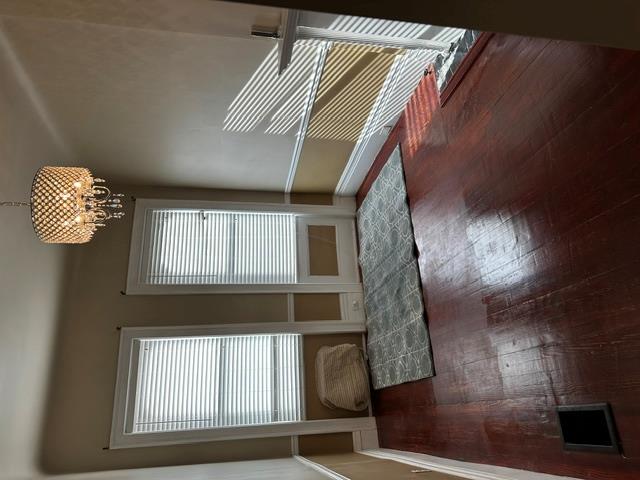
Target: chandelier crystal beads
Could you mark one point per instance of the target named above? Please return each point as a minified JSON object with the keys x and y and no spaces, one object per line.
{"x":68,"y":204}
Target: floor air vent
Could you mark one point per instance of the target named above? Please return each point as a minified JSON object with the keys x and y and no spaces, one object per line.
{"x":588,"y":427}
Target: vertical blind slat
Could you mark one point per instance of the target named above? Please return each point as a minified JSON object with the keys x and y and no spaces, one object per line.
{"x":197,"y":247}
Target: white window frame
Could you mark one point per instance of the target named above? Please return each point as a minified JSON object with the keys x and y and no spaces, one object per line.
{"x":341,"y":216}
{"x":124,"y":397}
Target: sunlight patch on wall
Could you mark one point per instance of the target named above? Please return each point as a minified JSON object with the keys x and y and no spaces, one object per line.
{"x":275,"y":104}
{"x":341,"y":60}
{"x":342,"y":111}
{"x":266,"y":91}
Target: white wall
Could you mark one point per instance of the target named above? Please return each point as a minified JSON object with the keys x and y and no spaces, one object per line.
{"x":30,"y":272}
{"x":278,"y":469}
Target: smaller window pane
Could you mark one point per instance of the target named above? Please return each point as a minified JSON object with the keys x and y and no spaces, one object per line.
{"x":323,"y":250}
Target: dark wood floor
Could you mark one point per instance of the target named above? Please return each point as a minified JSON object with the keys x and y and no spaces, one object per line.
{"x":525,"y":196}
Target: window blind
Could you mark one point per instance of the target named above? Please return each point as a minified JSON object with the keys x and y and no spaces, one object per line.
{"x":220,"y":247}
{"x":217,"y":381}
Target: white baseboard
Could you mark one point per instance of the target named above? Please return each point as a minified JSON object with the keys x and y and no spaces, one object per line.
{"x":295,"y":445}
{"x":474,"y":471}
{"x":327,"y":472}
{"x":365,"y":440}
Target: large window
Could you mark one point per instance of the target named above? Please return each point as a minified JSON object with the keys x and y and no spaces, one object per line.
{"x":221,"y":247}
{"x":217,"y":382}
{"x":218,"y":247}
{"x":188,"y":383}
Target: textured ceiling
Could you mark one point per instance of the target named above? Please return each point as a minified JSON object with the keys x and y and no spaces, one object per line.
{"x":139,"y":89}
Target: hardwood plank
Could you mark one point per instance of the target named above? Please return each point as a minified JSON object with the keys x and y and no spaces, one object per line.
{"x":524,"y":192}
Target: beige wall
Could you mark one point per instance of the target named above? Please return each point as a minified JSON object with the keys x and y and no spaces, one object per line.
{"x":30,"y":274}
{"x":325,"y":444}
{"x":310,"y":307}
{"x":80,"y":402}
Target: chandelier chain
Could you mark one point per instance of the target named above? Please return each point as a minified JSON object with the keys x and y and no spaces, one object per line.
{"x":15,"y":204}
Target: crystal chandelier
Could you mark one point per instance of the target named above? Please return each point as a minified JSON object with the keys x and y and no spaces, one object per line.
{"x":68,"y":205}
